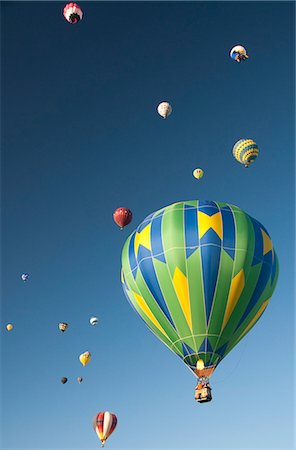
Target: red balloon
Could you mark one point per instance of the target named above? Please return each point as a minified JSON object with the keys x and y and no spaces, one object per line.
{"x":122,"y":216}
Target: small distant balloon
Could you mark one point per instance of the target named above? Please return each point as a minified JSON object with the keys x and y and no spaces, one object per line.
{"x":198,"y":173}
{"x":245,"y":151}
{"x":164,"y":109}
{"x":238,"y":53}
{"x":84,"y":358}
{"x":79,"y":379}
{"x":64,"y":380}
{"x":122,"y":217}
{"x":73,"y":13}
{"x":63,"y":326}
{"x":94,"y":321}
{"x":9,"y":326}
{"x":25,"y":276}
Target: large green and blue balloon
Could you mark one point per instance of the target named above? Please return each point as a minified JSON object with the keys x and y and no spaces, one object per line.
{"x":200,"y":274}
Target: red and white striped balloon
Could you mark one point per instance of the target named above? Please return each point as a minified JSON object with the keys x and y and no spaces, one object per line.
{"x":104,"y":424}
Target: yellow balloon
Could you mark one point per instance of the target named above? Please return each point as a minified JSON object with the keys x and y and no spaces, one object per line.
{"x":84,"y":358}
{"x":198,"y":173}
{"x":9,"y":326}
{"x":200,"y":365}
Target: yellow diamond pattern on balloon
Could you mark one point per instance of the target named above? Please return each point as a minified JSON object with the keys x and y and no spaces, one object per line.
{"x":267,"y":244}
{"x":180,"y":283}
{"x":143,"y":238}
{"x":206,"y":222}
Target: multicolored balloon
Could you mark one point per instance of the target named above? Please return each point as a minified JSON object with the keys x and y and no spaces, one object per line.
{"x":9,"y":326}
{"x":238,"y":53}
{"x":164,"y":109}
{"x":79,"y":379}
{"x":245,"y":151}
{"x":73,"y":13}
{"x":63,"y":326}
{"x":84,"y":358}
{"x":122,"y":217}
{"x":200,"y":274}
{"x":104,"y":424}
{"x":198,"y":173}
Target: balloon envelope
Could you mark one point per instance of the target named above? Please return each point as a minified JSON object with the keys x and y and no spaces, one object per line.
{"x":25,"y":276}
{"x":64,"y":380}
{"x":245,"y":151}
{"x":84,"y":358}
{"x":9,"y":326}
{"x":104,"y":424}
{"x":200,"y":274}
{"x":238,"y":53}
{"x":122,"y":217}
{"x":63,"y":326}
{"x":72,"y":13}
{"x":164,"y":109}
{"x":94,"y":321}
{"x":198,"y":173}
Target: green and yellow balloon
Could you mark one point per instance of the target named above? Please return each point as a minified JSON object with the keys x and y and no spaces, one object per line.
{"x":198,"y":173}
{"x":200,"y":274}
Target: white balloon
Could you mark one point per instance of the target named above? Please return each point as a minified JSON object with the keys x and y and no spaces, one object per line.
{"x":164,"y":109}
{"x":25,"y":276}
{"x":93,"y":321}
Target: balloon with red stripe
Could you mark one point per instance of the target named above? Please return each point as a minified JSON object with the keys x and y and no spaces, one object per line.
{"x":104,"y":424}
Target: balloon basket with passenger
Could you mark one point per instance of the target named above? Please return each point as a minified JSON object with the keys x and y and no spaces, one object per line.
{"x":203,"y":390}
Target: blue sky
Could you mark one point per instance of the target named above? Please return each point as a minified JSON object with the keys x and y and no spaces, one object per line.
{"x":80,"y":137}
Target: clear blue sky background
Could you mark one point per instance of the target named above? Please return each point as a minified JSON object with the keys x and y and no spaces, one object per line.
{"x":81,"y":137}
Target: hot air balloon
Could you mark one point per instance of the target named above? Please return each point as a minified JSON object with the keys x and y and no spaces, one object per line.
{"x":84,"y":358}
{"x":9,"y":326}
{"x":245,"y":151}
{"x":198,"y":173}
{"x":200,"y":274}
{"x":164,"y":109}
{"x":238,"y":53}
{"x":104,"y":424}
{"x":79,"y":379}
{"x":63,"y":326}
{"x":122,"y":217}
{"x":93,"y":321}
{"x":64,"y":380}
{"x":73,"y":13}
{"x":25,"y":277}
